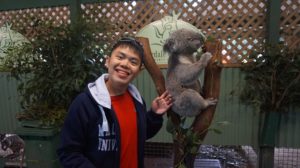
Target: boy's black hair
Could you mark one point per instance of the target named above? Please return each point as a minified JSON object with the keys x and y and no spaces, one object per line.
{"x":132,"y":42}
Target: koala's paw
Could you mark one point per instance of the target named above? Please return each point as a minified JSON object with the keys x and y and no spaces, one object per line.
{"x":205,"y":58}
{"x":211,"y":102}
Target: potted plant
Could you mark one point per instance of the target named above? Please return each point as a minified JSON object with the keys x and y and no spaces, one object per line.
{"x":52,"y":69}
{"x":272,"y":85}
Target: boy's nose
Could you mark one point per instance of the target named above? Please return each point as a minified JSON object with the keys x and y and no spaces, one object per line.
{"x":125,"y":62}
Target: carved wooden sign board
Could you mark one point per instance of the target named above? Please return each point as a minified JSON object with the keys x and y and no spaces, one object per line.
{"x":158,"y":31}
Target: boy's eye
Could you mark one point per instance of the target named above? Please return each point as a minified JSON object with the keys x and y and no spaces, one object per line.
{"x":120,"y":56}
{"x":134,"y":62}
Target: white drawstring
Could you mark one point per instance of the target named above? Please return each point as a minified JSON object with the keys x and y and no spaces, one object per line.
{"x":104,"y":120}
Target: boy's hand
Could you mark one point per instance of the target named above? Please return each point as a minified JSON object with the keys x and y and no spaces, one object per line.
{"x":162,"y":103}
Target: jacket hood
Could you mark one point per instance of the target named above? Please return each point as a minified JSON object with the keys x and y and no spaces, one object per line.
{"x":101,"y":95}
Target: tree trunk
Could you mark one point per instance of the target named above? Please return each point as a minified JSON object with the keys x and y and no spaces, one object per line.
{"x":211,"y":89}
{"x":152,"y":67}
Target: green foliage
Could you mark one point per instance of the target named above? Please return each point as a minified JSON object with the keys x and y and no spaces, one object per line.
{"x":187,"y":139}
{"x":272,"y":79}
{"x":54,"y":67}
{"x":8,"y":38}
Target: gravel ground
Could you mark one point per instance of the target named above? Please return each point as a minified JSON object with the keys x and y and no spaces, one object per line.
{"x":233,"y":157}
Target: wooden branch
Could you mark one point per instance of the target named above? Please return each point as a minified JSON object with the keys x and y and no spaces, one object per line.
{"x":211,"y":88}
{"x":156,"y":74}
{"x":152,"y":67}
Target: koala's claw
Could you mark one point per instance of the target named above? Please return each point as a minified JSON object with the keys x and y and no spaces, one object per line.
{"x":211,"y":101}
{"x":205,"y":58}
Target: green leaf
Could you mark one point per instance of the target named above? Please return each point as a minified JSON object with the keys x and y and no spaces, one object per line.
{"x":223,"y":123}
{"x":217,"y":131}
{"x":170,"y":126}
{"x":194,"y":150}
{"x":181,"y":165}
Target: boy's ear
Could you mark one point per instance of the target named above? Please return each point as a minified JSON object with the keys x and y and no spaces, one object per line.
{"x":107,"y":59}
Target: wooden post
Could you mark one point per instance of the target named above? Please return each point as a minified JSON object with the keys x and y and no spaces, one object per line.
{"x":273,"y":21}
{"x":267,"y":135}
{"x":74,"y":11}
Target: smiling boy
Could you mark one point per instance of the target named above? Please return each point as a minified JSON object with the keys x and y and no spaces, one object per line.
{"x":107,"y":125}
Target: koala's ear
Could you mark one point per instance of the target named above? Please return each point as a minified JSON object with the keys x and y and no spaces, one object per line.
{"x":169,"y":45}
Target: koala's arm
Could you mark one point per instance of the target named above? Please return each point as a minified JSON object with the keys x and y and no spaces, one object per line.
{"x":189,"y":73}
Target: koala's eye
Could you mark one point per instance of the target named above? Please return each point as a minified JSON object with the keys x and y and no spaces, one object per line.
{"x":191,"y":39}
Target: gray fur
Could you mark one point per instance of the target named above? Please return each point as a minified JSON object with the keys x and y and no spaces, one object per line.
{"x":184,"y":70}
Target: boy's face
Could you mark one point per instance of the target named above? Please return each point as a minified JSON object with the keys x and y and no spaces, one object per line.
{"x":123,"y":65}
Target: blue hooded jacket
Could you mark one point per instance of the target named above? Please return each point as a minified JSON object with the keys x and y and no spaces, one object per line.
{"x":90,"y":137}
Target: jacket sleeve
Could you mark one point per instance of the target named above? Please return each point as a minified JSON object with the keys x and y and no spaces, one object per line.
{"x":154,"y":123}
{"x":73,"y":140}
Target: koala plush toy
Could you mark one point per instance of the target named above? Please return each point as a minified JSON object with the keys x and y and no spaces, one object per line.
{"x":182,"y":80}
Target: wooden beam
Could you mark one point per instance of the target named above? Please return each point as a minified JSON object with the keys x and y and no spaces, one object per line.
{"x":74,"y":10}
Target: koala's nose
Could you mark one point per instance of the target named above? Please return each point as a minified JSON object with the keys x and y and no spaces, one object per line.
{"x":204,"y":49}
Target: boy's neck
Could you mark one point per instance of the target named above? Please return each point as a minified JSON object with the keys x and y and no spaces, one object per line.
{"x":115,"y":90}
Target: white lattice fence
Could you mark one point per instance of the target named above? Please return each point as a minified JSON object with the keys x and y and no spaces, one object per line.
{"x":24,"y":18}
{"x":290,"y":23}
{"x":241,"y":25}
